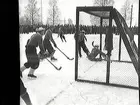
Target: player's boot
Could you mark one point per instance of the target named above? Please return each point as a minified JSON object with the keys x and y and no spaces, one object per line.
{"x":51,"y":55}
{"x":106,"y":58}
{"x":53,"y":59}
{"x":87,"y":53}
{"x":32,"y":76}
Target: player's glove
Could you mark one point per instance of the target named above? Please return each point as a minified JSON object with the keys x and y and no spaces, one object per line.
{"x":43,"y":55}
{"x":46,"y":54}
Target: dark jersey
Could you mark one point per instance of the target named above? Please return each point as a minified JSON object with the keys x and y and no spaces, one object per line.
{"x":36,"y":40}
{"x":94,"y":52}
{"x":48,"y":36}
{"x":81,"y":37}
{"x":60,"y":32}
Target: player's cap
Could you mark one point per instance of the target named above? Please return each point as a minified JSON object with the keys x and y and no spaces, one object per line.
{"x":83,"y":31}
{"x":40,"y":29}
{"x":96,"y":46}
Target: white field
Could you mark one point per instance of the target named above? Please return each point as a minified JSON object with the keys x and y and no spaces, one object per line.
{"x":54,"y":87}
{"x":120,"y":73}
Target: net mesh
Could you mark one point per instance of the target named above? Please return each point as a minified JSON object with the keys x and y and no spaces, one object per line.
{"x":120,"y":72}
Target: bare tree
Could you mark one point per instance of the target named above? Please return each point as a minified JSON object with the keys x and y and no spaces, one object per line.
{"x":53,"y":12}
{"x":32,"y":12}
{"x":65,"y":21}
{"x":103,"y":2}
{"x":24,"y":20}
{"x":70,"y":22}
{"x":126,"y":11}
{"x":21,"y":20}
{"x":96,"y":20}
{"x":131,"y":15}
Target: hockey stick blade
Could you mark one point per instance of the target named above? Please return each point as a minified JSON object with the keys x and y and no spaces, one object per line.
{"x":59,"y":68}
{"x":54,"y":65}
{"x":65,"y":54}
{"x":70,"y":58}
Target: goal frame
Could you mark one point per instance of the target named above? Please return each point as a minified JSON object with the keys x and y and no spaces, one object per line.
{"x":87,"y":10}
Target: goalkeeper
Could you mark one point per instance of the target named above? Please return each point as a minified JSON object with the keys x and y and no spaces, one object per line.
{"x":94,"y":52}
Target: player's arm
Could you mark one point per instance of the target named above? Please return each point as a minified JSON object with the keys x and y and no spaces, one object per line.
{"x":27,"y":42}
{"x":52,"y":40}
{"x":58,"y":33}
{"x":85,"y":38}
{"x":41,"y":47}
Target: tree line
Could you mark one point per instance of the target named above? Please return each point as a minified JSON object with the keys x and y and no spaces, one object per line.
{"x":32,"y":13}
{"x":71,"y":29}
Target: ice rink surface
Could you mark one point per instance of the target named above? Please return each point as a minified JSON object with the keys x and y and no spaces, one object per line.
{"x":54,"y":87}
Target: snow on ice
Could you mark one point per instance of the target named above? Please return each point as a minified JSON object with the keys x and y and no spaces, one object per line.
{"x":54,"y":87}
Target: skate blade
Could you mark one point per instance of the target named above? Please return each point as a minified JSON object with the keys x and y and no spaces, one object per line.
{"x":53,"y":60}
{"x":31,"y":78}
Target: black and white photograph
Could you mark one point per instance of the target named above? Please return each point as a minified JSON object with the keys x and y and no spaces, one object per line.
{"x":79,"y":52}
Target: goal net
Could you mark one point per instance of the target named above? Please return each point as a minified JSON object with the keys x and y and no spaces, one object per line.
{"x":120,"y":72}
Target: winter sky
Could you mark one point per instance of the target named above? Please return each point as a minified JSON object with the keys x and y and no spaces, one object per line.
{"x":68,"y":8}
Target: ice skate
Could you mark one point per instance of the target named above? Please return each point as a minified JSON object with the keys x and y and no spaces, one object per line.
{"x":53,"y":59}
{"x":32,"y":76}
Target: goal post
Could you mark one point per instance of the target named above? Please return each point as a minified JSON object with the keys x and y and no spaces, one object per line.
{"x":103,"y":72}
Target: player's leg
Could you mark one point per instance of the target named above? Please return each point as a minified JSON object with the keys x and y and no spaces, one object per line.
{"x":24,"y":94}
{"x":51,"y":50}
{"x":85,"y":49}
{"x":34,"y":65}
{"x":27,"y":64}
{"x":34,"y":62}
{"x":61,"y":37}
{"x":52,"y":55}
{"x":64,"y":38}
{"x":23,"y":68}
{"x":79,"y":49}
{"x":40,"y":54}
{"x":92,"y":56}
{"x":102,"y":54}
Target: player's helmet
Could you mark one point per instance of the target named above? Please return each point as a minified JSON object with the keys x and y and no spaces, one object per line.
{"x":83,"y":31}
{"x":96,"y":46}
{"x":40,"y":29}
